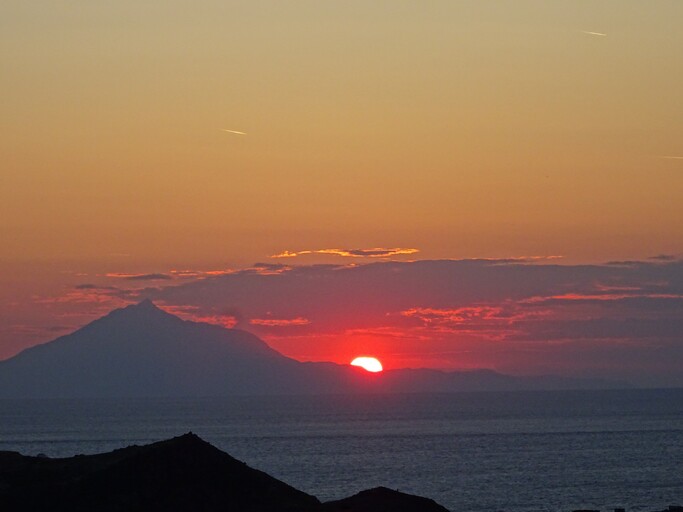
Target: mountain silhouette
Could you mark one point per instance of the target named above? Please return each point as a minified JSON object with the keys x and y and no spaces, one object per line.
{"x":180,"y":474}
{"x":381,"y":499}
{"x":141,"y":350}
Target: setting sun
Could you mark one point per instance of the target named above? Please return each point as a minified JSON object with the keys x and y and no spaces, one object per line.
{"x":370,"y":364}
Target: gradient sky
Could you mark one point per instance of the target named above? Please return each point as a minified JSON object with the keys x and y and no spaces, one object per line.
{"x":462,"y":129}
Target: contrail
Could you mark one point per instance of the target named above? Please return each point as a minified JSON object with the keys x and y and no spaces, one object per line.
{"x":601,"y":34}
{"x":233,"y":131}
{"x":672,"y":157}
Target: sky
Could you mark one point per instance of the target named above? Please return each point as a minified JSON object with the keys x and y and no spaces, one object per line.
{"x":150,"y":138}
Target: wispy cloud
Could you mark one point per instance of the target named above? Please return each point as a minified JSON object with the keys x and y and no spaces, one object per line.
{"x":280,"y":322}
{"x":592,"y":297}
{"x":521,"y":259}
{"x":228,"y":318}
{"x":663,"y":257}
{"x":375,"y":252}
{"x":453,"y":316}
{"x":195,"y":273}
{"x":257,"y":268}
{"x":233,"y":131}
{"x":668,"y":157}
{"x":590,"y":33}
{"x":140,"y":277}
{"x":90,"y":294}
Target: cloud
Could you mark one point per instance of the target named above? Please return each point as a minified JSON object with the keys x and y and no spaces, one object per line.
{"x":140,"y":277}
{"x":89,"y":286}
{"x":663,"y":257}
{"x":377,"y":252}
{"x":228,"y":317}
{"x":257,"y":268}
{"x":522,"y":259}
{"x":197,"y":274}
{"x":456,"y":316}
{"x":599,"y":34}
{"x":280,"y":322}
{"x":601,"y":297}
{"x":386,"y":332}
{"x":227,"y":321}
{"x":85,"y":302}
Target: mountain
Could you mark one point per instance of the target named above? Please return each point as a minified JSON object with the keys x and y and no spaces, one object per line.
{"x":141,"y":350}
{"x":180,"y":474}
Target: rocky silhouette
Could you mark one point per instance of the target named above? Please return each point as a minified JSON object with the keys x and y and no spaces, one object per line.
{"x":381,"y":499}
{"x":181,"y":474}
{"x":141,"y":350}
{"x":178,"y":475}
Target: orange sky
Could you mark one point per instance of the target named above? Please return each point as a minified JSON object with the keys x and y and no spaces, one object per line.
{"x":464,"y":129}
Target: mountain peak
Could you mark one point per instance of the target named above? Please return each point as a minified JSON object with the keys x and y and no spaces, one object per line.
{"x":144,"y":307}
{"x":146,"y":304}
{"x":144,"y":313}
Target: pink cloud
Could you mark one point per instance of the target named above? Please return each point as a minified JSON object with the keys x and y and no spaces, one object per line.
{"x":140,"y":277}
{"x":280,"y":322}
{"x":607,"y":297}
{"x":376,"y":252}
{"x":455,"y":315}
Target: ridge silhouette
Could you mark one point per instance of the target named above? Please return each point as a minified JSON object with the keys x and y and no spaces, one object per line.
{"x":176,"y":475}
{"x":180,"y":474}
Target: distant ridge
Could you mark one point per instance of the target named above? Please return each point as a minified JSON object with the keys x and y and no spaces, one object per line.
{"x":141,"y":350}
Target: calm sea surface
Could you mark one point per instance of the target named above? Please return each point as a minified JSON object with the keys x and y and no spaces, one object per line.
{"x":470,"y":452}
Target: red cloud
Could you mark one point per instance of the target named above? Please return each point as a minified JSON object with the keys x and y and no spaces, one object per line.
{"x":140,"y":277}
{"x":577,"y":297}
{"x":454,"y":316}
{"x":280,"y":322}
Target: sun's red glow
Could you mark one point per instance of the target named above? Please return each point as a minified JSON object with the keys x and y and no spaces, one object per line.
{"x":370,"y":364}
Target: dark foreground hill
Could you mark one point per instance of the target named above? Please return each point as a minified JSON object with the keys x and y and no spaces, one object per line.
{"x":381,"y":499}
{"x":141,"y":350}
{"x":178,"y":475}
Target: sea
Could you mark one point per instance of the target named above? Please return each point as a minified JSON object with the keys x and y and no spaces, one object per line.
{"x":516,"y":452}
